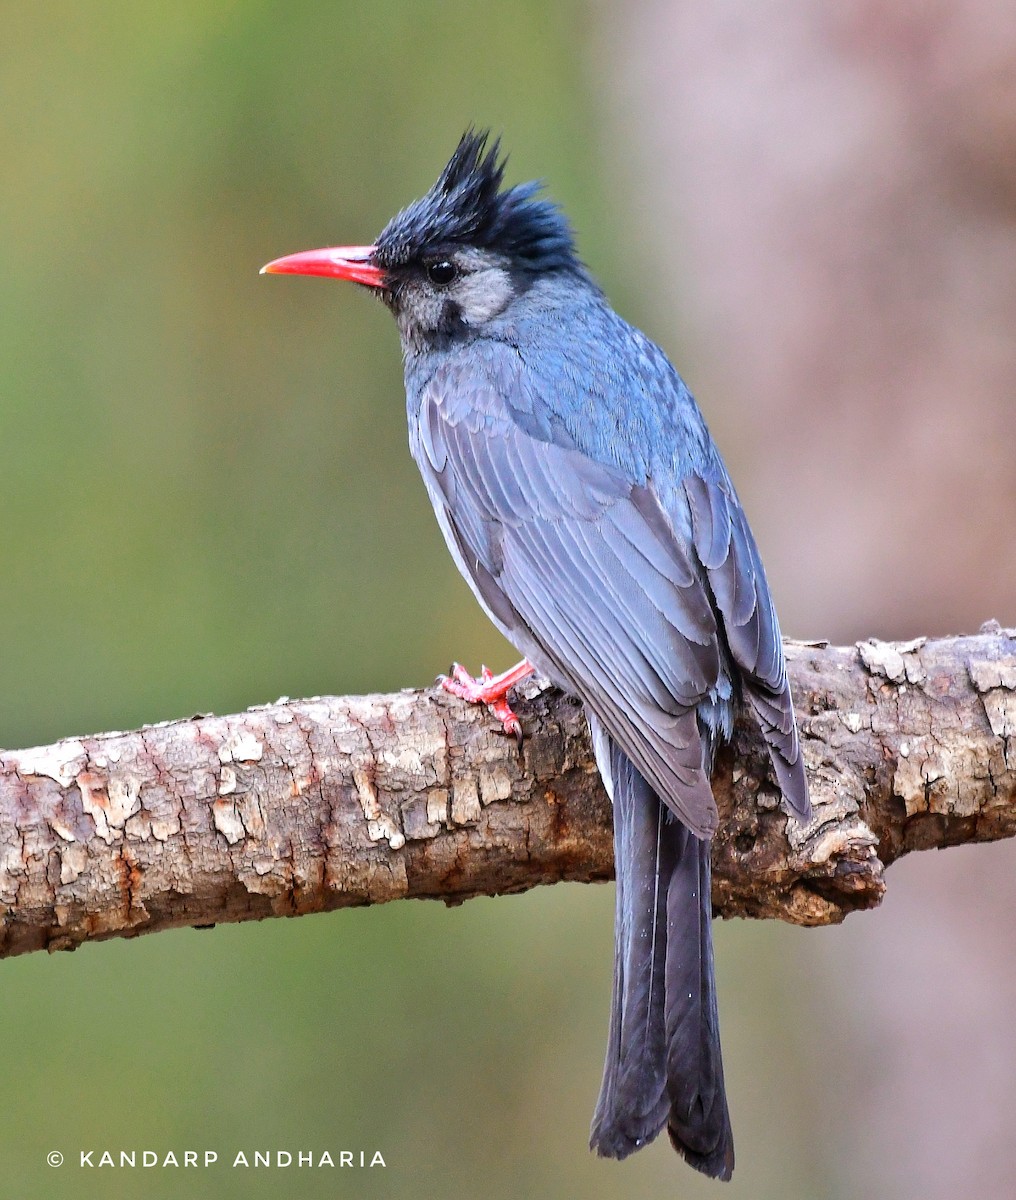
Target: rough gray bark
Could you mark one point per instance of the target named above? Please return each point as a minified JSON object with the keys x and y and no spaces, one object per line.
{"x":304,"y":806}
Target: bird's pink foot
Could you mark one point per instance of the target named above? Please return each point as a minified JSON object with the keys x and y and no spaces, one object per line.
{"x":491,"y":690}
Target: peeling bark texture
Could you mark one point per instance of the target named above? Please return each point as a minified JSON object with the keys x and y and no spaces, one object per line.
{"x":305,"y":806}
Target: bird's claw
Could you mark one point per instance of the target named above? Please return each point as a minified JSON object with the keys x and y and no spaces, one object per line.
{"x":491,"y":690}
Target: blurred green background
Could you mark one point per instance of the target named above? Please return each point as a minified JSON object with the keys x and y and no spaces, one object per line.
{"x":208,"y":502}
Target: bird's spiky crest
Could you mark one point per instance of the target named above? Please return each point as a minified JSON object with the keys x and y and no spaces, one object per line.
{"x":467,"y":207}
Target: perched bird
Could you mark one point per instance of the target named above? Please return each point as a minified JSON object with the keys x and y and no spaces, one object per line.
{"x":584,"y":501}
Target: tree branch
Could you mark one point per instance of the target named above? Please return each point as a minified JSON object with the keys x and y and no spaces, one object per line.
{"x":305,"y":806}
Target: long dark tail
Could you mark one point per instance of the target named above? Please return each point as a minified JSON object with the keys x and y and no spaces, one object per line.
{"x":663,"y":1064}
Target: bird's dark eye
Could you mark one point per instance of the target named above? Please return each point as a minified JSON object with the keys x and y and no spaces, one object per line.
{"x":442,"y":272}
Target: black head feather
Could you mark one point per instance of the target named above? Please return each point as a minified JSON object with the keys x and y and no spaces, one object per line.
{"x":466,"y":207}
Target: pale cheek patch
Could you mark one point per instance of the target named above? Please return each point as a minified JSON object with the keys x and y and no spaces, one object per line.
{"x":483,"y":295}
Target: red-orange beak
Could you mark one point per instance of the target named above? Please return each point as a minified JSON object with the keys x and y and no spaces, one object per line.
{"x":337,"y":262}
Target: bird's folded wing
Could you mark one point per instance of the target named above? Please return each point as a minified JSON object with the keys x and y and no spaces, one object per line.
{"x":591,"y":571}
{"x":724,"y":545}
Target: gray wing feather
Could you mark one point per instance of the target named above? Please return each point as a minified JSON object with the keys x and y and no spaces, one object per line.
{"x":581,"y":583}
{"x":726,"y":548}
{"x":587,"y":574}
